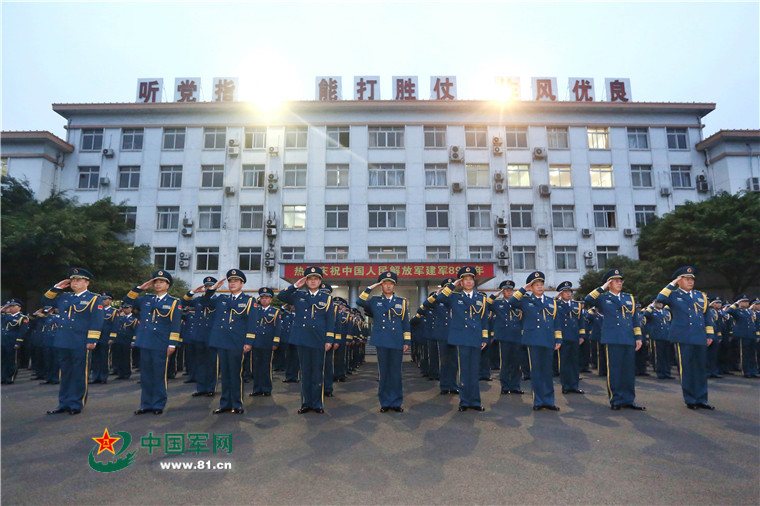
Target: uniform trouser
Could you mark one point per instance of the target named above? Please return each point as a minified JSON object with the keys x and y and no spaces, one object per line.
{"x":584,"y":358}
{"x":328,"y":373}
{"x":312,"y":362}
{"x":601,"y":359}
{"x":38,"y":360}
{"x":122,"y":360}
{"x":448,"y":370}
{"x":292,"y":365}
{"x":262,"y":370}
{"x":434,"y":367}
{"x":422,"y":354}
{"x":484,"y":368}
{"x":248,"y":365}
{"x":541,"y":375}
{"x":641,"y":358}
{"x":153,"y":367}
{"x":206,"y":368}
{"x":75,"y":364}
{"x":525,"y":362}
{"x":555,"y":363}
{"x":494,"y":356}
{"x":278,"y":358}
{"x":469,"y":387}
{"x":712,"y":357}
{"x":662,"y":359}
{"x":231,"y":366}
{"x":390,"y":391}
{"x":100,"y":362}
{"x":621,"y":374}
{"x":339,"y":366}
{"x":190,"y":361}
{"x":748,"y":356}
{"x":692,"y":359}
{"x":171,"y":363}
{"x":52,"y":366}
{"x":510,"y":365}
{"x":724,"y":355}
{"x":135,"y":357}
{"x":569,"y":365}
{"x":9,"y":367}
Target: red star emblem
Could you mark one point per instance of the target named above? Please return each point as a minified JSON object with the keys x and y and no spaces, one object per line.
{"x":106,"y":442}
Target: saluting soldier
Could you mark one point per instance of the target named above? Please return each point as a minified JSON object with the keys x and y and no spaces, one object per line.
{"x":716,"y":316}
{"x":122,"y":336}
{"x":292,"y":367}
{"x":15,"y":327}
{"x":433,"y":362}
{"x":78,"y":333}
{"x":447,"y":352}
{"x":157,"y":337}
{"x":329,"y":371}
{"x":312,"y":331}
{"x":506,"y":330}
{"x":745,"y":330}
{"x":657,"y":326}
{"x":343,"y":328}
{"x":267,"y":340}
{"x":52,"y":367}
{"x":391,"y":336}
{"x":571,"y":322}
{"x":206,"y":361}
{"x":99,"y":373}
{"x":621,"y":335}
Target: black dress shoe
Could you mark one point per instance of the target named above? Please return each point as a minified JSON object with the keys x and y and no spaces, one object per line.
{"x":290,"y":381}
{"x":221,"y":410}
{"x":267,"y":394}
{"x":189,"y":381}
{"x":454,"y":392}
{"x":158,"y":411}
{"x":384,"y":410}
{"x":585,"y":370}
{"x":704,"y":405}
{"x":505,"y":392}
{"x":477,"y":408}
{"x":238,"y":411}
{"x":615,"y":407}
{"x":329,"y":394}
{"x":57,"y":410}
{"x":303,"y":410}
{"x":255,"y":394}
{"x":518,"y":392}
{"x":141,"y":411}
{"x":398,"y":409}
{"x":46,"y":382}
{"x":573,"y":391}
{"x":75,"y":411}
{"x":462,"y":408}
{"x":669,"y":377}
{"x":635,"y":406}
{"x":198,"y":394}
{"x":716,"y":376}
{"x":526,"y":378}
{"x":319,"y":411}
{"x":485,"y":379}
{"x":692,"y":406}
{"x":643,"y":374}
{"x":444,"y":392}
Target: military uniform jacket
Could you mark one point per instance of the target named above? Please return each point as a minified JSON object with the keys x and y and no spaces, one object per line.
{"x":344,"y":328}
{"x":744,"y":322}
{"x":205,"y":315}
{"x":505,"y":321}
{"x":236,"y":321}
{"x":270,"y":327}
{"x":286,"y":319}
{"x":468,"y":323}
{"x":391,"y":327}
{"x":159,"y":322}
{"x":36,"y":324}
{"x":441,"y":315}
{"x":571,"y":321}
{"x":657,"y":324}
{"x":691,"y":322}
{"x":314,"y":319}
{"x":620,"y":324}
{"x":15,"y":328}
{"x":49,"y":329}
{"x":190,"y":327}
{"x":540,"y":326}
{"x":123,"y":330}
{"x":81,"y":317}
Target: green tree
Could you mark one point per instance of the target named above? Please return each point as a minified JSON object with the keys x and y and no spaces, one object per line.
{"x":641,"y":279}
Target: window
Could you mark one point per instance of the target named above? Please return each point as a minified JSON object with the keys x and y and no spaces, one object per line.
{"x":437,"y":215}
{"x":167,"y":218}
{"x":337,"y":137}
{"x":435,"y":136}
{"x":386,"y":174}
{"x":165,"y":258}
{"x":479,"y":216}
{"x":563,"y":216}
{"x":174,"y":138}
{"x":207,"y":258}
{"x":641,"y":176}
{"x":132,"y":139}
{"x":337,"y":175}
{"x":88,"y":178}
{"x":603,"y":255}
{"x":604,"y":217}
{"x":599,"y":138}
{"x":521,"y":215}
{"x":518,"y":175}
{"x":255,"y":138}
{"x":336,"y":252}
{"x":524,"y":258}
{"x":481,"y":252}
{"x":567,"y":258}
{"x":92,"y":139}
{"x":644,"y":215}
{"x":293,"y":253}
{"x":295,"y":175}
{"x":560,"y":176}
{"x":638,"y":138}
{"x":336,"y":217}
{"x":130,"y":217}
{"x":680,"y":176}
{"x":437,"y":252}
{"x":517,"y":137}
{"x":214,"y":138}
{"x":129,"y":178}
{"x":678,"y":138}
{"x":557,"y":138}
{"x":294,"y":217}
{"x":209,"y":217}
{"x":387,"y":216}
{"x":477,"y":175}
{"x":253,"y":176}
{"x":601,"y":176}
{"x":387,"y":253}
{"x":386,"y":137}
{"x":212,"y":176}
{"x":435,"y":175}
{"x":249,"y":258}
{"x":170,"y":176}
{"x":476,"y":137}
{"x":251,"y":218}
{"x":296,"y":137}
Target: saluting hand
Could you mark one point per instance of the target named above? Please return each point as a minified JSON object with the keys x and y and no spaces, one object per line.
{"x":675,"y":281}
{"x":218,"y":284}
{"x":457,"y":283}
{"x":606,"y":284}
{"x":63,"y":284}
{"x":200,"y":289}
{"x":147,"y":284}
{"x":300,"y":282}
{"x":372,"y":287}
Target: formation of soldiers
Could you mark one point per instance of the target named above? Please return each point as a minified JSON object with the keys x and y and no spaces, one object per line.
{"x":457,"y":337}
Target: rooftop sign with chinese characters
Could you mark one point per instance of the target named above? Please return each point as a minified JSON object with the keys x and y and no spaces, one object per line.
{"x":409,"y":270}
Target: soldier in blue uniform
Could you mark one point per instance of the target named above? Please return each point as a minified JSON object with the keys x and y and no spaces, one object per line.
{"x":433,"y":362}
{"x":621,"y":335}
{"x":99,"y":362}
{"x":15,"y":327}
{"x":52,"y":367}
{"x":541,"y":334}
{"x":233,"y":332}
{"x":157,"y":337}
{"x":122,"y":336}
{"x":35,"y":337}
{"x":79,"y":331}
{"x":343,"y":328}
{"x":506,"y":330}
{"x":657,"y":327}
{"x":391,"y":336}
{"x":267,"y":340}
{"x":329,"y":367}
{"x":716,"y":316}
{"x":206,"y":361}
{"x":468,"y":331}
{"x":312,"y":331}
{"x":447,"y":352}
{"x":745,"y":330}
{"x":571,"y":322}
{"x":291,"y":351}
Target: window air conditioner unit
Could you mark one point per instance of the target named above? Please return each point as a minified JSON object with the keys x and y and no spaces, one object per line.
{"x":665,"y":191}
{"x":753,"y":184}
{"x":588,"y":254}
{"x":702,"y":187}
{"x":456,"y":187}
{"x":271,"y":222}
{"x":233,"y":142}
{"x":104,"y":181}
{"x":499,"y":187}
{"x":498,"y":176}
{"x":273,"y":187}
{"x":269,"y":253}
{"x":629,"y":232}
{"x":184,"y":264}
{"x":589,"y":262}
{"x":503,"y":262}
{"x":456,"y":154}
{"x":271,"y":232}
{"x":586,"y":232}
{"x":497,"y":150}
{"x":269,"y":263}
{"x":272,"y":177}
{"x":502,"y":231}
{"x":187,"y":232}
{"x":233,"y":151}
{"x":544,"y":190}
{"x":496,"y":141}
{"x":108,"y":153}
{"x":187,"y":222}
{"x":543,"y":232}
{"x":272,"y":150}
{"x":183,"y":255}
{"x":502,"y":254}
{"x":539,"y":153}
{"x":229,"y":190}
{"x":501,"y":221}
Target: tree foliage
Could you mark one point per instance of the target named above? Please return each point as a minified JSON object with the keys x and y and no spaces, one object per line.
{"x":642,"y":280}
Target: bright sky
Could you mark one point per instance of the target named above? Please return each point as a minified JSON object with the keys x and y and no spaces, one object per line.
{"x":95,"y":52}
